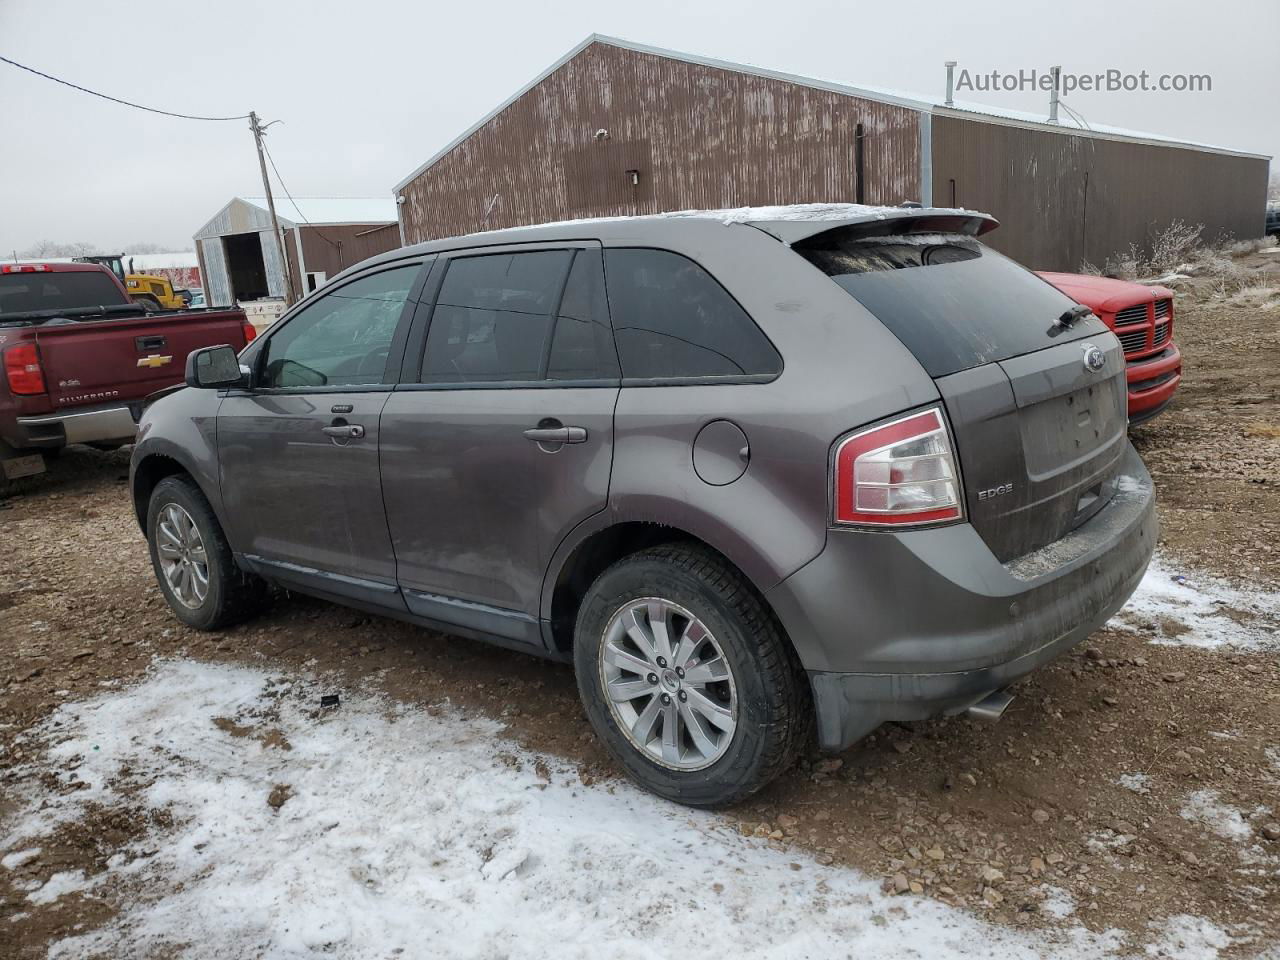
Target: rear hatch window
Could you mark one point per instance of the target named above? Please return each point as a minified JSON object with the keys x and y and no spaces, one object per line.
{"x":55,"y":290}
{"x":1040,"y":432}
{"x":953,"y":302}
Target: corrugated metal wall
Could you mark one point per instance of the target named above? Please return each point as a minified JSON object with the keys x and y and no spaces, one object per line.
{"x":698,"y":136}
{"x":213,"y":267}
{"x":1063,"y":198}
{"x":330,"y":249}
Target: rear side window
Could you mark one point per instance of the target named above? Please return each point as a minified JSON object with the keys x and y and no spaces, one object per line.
{"x":953,"y":302}
{"x":522,"y":317}
{"x":582,"y":345}
{"x":30,"y":292}
{"x":493,"y":317}
{"x":671,"y":319}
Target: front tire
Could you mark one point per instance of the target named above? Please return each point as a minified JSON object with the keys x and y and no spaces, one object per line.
{"x":193,"y":562}
{"x":687,"y":678}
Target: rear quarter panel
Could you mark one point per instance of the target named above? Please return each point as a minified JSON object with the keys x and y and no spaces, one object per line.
{"x":841,"y":369}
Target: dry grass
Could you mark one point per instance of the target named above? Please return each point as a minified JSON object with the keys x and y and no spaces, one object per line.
{"x":1180,"y":251}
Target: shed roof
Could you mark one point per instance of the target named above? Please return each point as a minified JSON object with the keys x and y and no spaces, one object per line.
{"x":914,"y":101}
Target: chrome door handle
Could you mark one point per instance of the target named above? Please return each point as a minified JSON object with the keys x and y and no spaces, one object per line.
{"x":557,"y":434}
{"x":345,"y":431}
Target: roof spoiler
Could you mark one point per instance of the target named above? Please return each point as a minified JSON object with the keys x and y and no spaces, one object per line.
{"x":905,"y":220}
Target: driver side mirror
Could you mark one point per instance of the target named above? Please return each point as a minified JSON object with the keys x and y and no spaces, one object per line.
{"x":212,"y":367}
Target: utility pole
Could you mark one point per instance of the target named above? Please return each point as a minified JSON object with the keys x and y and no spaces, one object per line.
{"x":290,"y":295}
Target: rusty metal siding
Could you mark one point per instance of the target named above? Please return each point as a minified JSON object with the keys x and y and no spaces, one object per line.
{"x":698,"y":137}
{"x":1065,"y":198}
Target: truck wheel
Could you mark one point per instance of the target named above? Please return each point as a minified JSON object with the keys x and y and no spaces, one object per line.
{"x":193,"y":562}
{"x":687,"y":678}
{"x":149,"y":304}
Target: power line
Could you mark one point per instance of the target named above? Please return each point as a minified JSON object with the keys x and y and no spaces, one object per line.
{"x":280,"y":180}
{"x":127,"y":103}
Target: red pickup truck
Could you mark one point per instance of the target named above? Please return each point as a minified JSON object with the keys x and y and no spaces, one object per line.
{"x":79,"y":358}
{"x":1142,"y":317}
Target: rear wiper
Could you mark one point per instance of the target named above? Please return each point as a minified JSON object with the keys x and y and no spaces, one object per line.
{"x":1071,"y":316}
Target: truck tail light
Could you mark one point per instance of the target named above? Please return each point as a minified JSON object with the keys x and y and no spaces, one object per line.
{"x":24,"y":268}
{"x":898,"y":474}
{"x":250,"y":331}
{"x":23,"y":370}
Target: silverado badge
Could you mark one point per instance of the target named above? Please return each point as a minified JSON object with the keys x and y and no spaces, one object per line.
{"x":154,"y":360}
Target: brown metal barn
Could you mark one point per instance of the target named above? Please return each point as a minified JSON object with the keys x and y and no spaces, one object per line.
{"x":617,"y":128}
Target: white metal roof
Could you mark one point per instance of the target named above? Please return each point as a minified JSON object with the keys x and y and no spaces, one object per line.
{"x":913,"y":101}
{"x":330,"y":210}
{"x":145,"y":262}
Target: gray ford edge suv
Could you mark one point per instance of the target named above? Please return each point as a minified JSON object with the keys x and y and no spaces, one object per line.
{"x":747,"y":471}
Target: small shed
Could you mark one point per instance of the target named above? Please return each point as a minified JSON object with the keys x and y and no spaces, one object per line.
{"x":239,"y":261}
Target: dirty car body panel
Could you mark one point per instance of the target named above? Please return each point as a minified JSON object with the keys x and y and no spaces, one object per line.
{"x":458,"y":517}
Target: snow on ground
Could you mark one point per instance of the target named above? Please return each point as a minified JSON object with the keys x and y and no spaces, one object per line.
{"x":1207,"y":808}
{"x":411,"y":832}
{"x":1137,"y":782}
{"x":1200,"y":611}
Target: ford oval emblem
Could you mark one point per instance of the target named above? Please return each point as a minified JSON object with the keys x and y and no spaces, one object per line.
{"x":1094,"y":359}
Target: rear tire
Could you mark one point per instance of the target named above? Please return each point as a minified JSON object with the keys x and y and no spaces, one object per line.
{"x":744,"y":709}
{"x":193,"y":562}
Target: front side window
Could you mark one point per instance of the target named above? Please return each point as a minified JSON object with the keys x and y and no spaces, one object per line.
{"x":673,"y":320}
{"x":343,"y":338}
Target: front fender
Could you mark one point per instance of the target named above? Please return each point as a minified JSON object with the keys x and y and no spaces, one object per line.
{"x":181,"y":428}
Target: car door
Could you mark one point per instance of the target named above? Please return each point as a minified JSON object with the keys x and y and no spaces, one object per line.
{"x":499,"y":438}
{"x":299,"y":450}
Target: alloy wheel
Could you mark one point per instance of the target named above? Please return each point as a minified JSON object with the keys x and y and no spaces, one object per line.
{"x":668,"y":684}
{"x":183,"y":560}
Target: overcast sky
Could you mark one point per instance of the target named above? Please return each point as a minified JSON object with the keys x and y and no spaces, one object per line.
{"x":369,"y":90}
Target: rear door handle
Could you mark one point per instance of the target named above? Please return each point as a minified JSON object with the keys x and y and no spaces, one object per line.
{"x":557,"y":434}
{"x":344,"y":431}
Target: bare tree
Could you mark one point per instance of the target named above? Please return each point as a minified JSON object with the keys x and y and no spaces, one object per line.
{"x":48,"y":248}
{"x":1273,"y":187}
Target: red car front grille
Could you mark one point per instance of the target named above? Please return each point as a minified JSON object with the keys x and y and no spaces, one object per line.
{"x":1135,"y":341}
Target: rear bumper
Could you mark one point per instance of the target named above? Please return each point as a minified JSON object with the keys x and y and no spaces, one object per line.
{"x":904,"y":626}
{"x":1152,"y":382}
{"x":103,"y":424}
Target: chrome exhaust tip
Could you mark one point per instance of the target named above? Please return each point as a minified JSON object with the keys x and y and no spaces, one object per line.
{"x":991,"y":707}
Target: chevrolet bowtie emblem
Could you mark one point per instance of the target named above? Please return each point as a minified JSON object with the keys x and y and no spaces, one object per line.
{"x":154,"y":360}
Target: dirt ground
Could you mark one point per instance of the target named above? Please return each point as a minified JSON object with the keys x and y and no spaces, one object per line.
{"x":976,"y":815}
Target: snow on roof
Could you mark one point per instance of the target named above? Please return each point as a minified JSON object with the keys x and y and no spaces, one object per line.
{"x":144,"y":262}
{"x":915,"y":101}
{"x":794,"y":212}
{"x":331,"y":210}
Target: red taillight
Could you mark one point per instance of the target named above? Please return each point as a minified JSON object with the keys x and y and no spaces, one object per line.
{"x":22,"y":368}
{"x":901,"y":473}
{"x":24,"y":268}
{"x":250,"y":331}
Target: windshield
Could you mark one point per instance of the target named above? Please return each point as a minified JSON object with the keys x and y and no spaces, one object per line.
{"x":953,"y":302}
{"x":31,"y":292}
